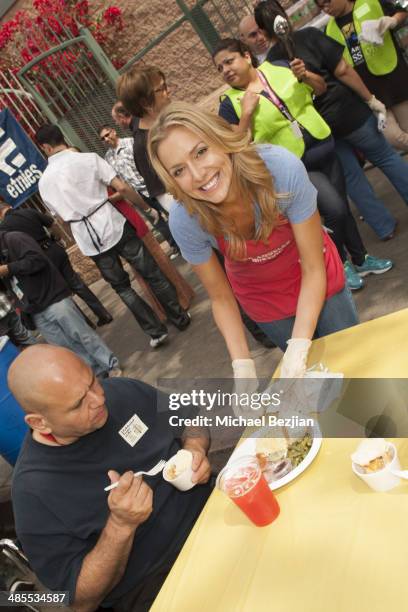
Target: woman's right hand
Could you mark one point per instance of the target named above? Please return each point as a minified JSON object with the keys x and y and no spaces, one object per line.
{"x":249,"y":102}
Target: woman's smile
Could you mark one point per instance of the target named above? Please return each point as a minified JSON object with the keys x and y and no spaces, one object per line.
{"x":211,"y":184}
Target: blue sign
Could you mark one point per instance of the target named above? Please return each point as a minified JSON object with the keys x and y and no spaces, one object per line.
{"x":21,"y":163}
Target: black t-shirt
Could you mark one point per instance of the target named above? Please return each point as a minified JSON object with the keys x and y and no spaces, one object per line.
{"x":27,"y":220}
{"x":390,"y":88}
{"x":61,"y":507}
{"x":341,"y":108}
{"x":153,"y":184}
{"x":39,"y":281}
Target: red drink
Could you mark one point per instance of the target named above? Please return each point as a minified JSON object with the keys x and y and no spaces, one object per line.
{"x":243,"y":482}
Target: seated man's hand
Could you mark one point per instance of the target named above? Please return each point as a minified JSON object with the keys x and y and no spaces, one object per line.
{"x":201,"y":465}
{"x":131,"y":503}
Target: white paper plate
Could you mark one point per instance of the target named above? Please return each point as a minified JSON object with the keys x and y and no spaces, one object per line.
{"x":248,"y":447}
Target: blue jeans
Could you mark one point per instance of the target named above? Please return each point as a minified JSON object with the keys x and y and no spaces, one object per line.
{"x":338,"y":312}
{"x":63,"y":325}
{"x":380,"y":153}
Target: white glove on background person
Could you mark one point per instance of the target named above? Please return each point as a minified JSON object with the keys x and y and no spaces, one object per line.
{"x":376,"y":106}
{"x":379,"y":111}
{"x":295,"y":358}
{"x":381,"y":122}
{"x":373,"y":30}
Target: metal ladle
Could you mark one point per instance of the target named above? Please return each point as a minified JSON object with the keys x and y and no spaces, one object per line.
{"x":282,"y":30}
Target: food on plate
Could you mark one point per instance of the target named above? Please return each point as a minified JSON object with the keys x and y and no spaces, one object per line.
{"x":270,"y":449}
{"x":298,"y":449}
{"x":178,"y":464}
{"x":372,"y":455}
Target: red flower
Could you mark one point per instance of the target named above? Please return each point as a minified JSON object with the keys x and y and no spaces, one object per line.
{"x":28,"y":35}
{"x":112,"y":15}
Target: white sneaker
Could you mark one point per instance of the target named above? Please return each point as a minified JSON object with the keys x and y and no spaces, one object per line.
{"x":155,"y":342}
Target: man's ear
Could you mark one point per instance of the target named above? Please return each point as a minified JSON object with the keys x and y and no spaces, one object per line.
{"x":37,"y":422}
{"x":46,"y":149}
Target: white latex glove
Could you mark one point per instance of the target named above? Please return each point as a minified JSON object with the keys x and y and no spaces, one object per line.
{"x":381,"y":122}
{"x":379,"y":111}
{"x":295,"y":357}
{"x":244,"y":369}
{"x":386,"y":23}
{"x":373,"y":30}
{"x":245,"y":381}
{"x":376,"y":106}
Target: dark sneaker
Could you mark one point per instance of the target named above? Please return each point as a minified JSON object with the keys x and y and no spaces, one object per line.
{"x":374,"y":265}
{"x":182,"y":326}
{"x":353,"y":280}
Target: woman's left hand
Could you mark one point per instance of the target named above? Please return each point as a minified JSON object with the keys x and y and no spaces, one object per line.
{"x":295,"y":358}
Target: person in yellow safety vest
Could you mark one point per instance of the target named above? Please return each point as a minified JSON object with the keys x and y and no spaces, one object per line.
{"x":363,"y":27}
{"x":346,"y":107}
{"x":275,"y":102}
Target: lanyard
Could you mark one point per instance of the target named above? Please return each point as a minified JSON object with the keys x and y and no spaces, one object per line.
{"x":280,"y":105}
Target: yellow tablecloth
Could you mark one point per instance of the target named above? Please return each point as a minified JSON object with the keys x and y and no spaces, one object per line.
{"x":336,"y":546}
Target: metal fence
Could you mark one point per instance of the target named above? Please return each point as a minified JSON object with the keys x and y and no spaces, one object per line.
{"x":73,"y":81}
{"x":27,"y":112}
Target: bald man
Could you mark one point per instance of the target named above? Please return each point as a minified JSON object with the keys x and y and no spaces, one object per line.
{"x":115,"y":548}
{"x":256,"y":39}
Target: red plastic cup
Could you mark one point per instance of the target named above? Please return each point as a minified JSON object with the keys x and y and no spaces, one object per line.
{"x":242,"y":480}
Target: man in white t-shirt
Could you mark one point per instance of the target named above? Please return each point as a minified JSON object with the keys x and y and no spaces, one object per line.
{"x":75,"y":187}
{"x":254,"y":38}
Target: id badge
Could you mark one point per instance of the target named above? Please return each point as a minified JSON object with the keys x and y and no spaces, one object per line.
{"x":296,"y":129}
{"x":133,"y":430}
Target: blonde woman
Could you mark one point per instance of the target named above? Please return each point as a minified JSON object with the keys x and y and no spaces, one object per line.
{"x":257,"y":206}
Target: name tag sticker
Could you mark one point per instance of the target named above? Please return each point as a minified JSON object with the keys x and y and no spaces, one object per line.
{"x":362,"y":10}
{"x":133,"y":430}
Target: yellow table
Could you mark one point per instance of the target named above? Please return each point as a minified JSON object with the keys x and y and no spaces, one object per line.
{"x":336,"y":546}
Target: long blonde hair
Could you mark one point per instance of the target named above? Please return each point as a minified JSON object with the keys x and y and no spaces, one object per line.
{"x":250,"y":175}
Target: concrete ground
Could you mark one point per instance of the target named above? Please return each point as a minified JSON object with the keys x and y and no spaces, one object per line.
{"x":200,"y":352}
